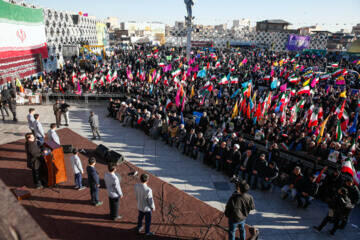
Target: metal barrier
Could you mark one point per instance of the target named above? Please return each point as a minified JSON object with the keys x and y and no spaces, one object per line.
{"x":294,"y":156}
{"x":83,"y":97}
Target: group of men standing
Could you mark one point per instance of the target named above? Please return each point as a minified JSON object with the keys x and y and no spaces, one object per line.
{"x":61,"y":108}
{"x":143,"y":193}
{"x":35,"y":161}
{"x":34,"y":147}
{"x":8,"y":100}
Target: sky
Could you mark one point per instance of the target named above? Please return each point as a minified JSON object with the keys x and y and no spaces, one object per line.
{"x":331,"y":15}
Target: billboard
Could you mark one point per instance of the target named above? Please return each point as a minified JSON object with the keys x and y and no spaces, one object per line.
{"x":297,"y":43}
{"x":101,"y":33}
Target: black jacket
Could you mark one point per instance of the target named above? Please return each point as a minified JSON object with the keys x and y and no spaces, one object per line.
{"x":250,"y":162}
{"x":235,"y":157}
{"x":305,"y":185}
{"x":341,"y":205}
{"x":260,"y":166}
{"x":271,"y":173}
{"x":34,"y":156}
{"x":223,"y":152}
{"x":293,"y":179}
{"x":93,"y":177}
{"x":354,"y":194}
{"x":238,"y":206}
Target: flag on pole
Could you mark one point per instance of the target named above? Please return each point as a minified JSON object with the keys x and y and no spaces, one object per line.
{"x":313,"y":119}
{"x":114,"y":76}
{"x":338,"y":132}
{"x":340,"y":111}
{"x":176,"y":73}
{"x":343,"y":94}
{"x":158,"y":77}
{"x":294,"y":79}
{"x":223,"y":81}
{"x":304,"y":90}
{"x":108,"y":76}
{"x":234,"y":80}
{"x":192,"y":94}
{"x":353,"y":127}
{"x":18,"y":84}
{"x":322,"y":128}
{"x":235,"y":111}
{"x":83,"y":77}
{"x":338,"y":72}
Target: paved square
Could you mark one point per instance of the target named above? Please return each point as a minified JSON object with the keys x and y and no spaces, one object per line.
{"x":222,"y":186}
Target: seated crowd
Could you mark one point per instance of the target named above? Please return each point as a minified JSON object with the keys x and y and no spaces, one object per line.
{"x":229,"y":152}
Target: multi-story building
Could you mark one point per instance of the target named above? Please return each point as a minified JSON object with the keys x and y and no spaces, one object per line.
{"x":356,"y":30}
{"x":274,"y":25}
{"x":339,"y":41}
{"x":113,"y":23}
{"x":308,"y":30}
{"x":241,"y":24}
{"x":146,"y":31}
{"x":221,"y":27}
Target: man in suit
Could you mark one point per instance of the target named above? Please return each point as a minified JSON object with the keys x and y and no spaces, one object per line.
{"x":94,"y":182}
{"x":57,"y":113}
{"x":64,"y":110}
{"x":52,"y":135}
{"x":31,"y":119}
{"x":190,"y":141}
{"x":94,"y":124}
{"x":112,"y":183}
{"x":39,"y":131}
{"x":33,"y":158}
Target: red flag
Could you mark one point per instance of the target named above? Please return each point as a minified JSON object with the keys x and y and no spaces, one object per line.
{"x":61,"y":89}
{"x":342,"y":110}
{"x":248,"y":111}
{"x":258,"y":111}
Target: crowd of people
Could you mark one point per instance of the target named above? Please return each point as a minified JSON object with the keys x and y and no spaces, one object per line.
{"x":210,"y":105}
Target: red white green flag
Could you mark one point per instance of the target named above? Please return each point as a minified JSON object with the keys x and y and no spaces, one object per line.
{"x":22,"y":31}
{"x":338,"y":132}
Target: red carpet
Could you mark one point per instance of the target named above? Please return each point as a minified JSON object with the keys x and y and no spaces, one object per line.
{"x":65,"y":213}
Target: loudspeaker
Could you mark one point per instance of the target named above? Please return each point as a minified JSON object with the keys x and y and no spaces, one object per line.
{"x":102,"y":151}
{"x":114,"y":158}
{"x":75,"y":19}
{"x":67,"y":148}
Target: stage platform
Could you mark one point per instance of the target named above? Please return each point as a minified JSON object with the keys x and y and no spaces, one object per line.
{"x":65,"y":213}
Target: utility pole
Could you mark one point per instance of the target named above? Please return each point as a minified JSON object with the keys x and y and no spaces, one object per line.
{"x":188,"y":20}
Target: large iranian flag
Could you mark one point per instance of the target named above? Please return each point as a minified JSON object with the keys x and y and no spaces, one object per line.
{"x":22,"y":31}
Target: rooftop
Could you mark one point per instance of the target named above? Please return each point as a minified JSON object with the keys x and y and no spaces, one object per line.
{"x":275,"y":21}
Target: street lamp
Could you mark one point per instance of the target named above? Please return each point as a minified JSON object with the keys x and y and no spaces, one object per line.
{"x":189,"y":4}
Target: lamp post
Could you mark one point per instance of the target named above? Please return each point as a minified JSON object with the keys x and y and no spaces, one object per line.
{"x":189,"y":4}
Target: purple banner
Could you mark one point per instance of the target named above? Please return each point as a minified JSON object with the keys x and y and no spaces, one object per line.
{"x":298,"y":43}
